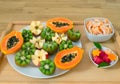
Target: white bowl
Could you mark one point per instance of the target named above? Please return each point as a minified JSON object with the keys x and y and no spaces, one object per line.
{"x":103,"y":48}
{"x":98,"y":38}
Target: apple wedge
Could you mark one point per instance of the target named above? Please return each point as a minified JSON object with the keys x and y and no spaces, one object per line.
{"x":38,"y":56}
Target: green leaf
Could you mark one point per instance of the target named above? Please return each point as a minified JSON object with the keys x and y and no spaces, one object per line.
{"x":103,"y":64}
{"x":98,"y":45}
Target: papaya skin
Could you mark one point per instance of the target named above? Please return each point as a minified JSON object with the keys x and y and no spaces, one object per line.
{"x":3,"y":44}
{"x":71,"y":64}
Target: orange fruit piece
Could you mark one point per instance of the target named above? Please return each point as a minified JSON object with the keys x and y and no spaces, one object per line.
{"x":96,"y":52}
{"x":112,"y":57}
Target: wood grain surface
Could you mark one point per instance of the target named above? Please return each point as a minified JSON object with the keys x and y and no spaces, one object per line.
{"x":28,"y":10}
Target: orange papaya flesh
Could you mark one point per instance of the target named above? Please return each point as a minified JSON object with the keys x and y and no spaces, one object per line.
{"x":66,"y":65}
{"x":60,"y":25}
{"x":8,"y":46}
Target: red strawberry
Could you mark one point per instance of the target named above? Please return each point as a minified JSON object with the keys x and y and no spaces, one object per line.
{"x":97,"y":60}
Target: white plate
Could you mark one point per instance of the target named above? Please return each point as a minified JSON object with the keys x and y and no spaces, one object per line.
{"x":31,"y":70}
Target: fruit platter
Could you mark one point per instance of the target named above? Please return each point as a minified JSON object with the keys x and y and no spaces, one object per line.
{"x":44,"y":50}
{"x":47,"y":49}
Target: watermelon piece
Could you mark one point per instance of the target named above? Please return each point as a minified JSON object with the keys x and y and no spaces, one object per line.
{"x":97,"y":60}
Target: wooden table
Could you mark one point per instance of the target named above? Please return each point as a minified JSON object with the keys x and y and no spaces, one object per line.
{"x":20,"y":10}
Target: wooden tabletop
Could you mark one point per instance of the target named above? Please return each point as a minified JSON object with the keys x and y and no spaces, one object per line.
{"x":23,"y":10}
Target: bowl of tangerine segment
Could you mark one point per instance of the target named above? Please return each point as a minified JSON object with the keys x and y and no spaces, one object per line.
{"x":98,"y":29}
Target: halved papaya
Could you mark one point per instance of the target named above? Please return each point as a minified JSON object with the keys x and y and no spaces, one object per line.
{"x":12,"y":42}
{"x":60,"y":25}
{"x":69,"y":58}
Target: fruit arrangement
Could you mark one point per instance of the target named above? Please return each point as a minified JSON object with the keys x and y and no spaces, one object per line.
{"x":37,"y":44}
{"x":53,"y":46}
{"x":103,"y":57}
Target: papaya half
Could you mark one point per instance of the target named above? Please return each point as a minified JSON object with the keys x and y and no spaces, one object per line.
{"x":69,"y":58}
{"x":12,"y":42}
{"x":60,"y":25}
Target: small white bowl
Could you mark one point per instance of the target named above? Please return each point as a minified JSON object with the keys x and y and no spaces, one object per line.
{"x":98,"y":38}
{"x":103,"y":48}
